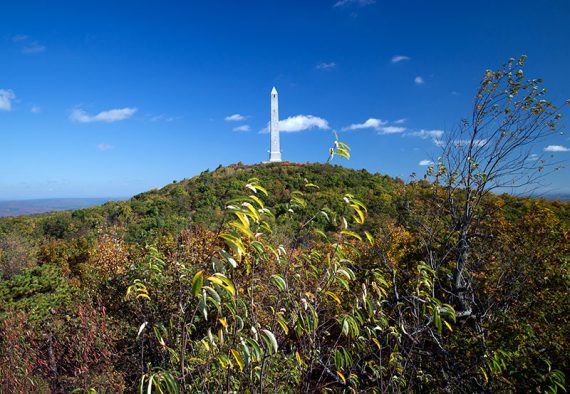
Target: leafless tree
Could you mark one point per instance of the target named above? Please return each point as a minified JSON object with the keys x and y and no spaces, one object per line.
{"x":491,"y":151}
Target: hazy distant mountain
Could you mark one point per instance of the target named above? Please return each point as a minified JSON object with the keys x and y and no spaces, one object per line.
{"x":558,"y":196}
{"x":29,"y":207}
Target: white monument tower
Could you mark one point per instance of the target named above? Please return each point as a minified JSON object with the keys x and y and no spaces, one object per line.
{"x":275,"y":151}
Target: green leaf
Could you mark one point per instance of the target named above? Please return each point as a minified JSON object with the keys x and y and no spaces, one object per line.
{"x":228,"y":257}
{"x":345,"y":327}
{"x":351,"y":234}
{"x":279,"y":282}
{"x":321,"y":233}
{"x":222,"y":281}
{"x":197,"y":283}
{"x":257,"y":200}
{"x":244,"y":229}
{"x":234,"y":243}
{"x":282,"y":323}
{"x":369,"y":237}
{"x":269,"y":335}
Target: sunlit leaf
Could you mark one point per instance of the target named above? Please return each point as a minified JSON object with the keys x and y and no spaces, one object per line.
{"x":197,"y":283}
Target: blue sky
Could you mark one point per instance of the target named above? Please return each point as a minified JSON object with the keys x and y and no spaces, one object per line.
{"x":112,"y":98}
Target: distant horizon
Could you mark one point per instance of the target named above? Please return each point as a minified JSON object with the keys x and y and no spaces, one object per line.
{"x":68,"y":198}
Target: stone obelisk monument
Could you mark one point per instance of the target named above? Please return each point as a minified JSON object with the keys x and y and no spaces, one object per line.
{"x":275,"y":151}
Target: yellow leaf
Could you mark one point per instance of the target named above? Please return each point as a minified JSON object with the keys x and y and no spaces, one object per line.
{"x":377,"y":343}
{"x":485,"y":375}
{"x":299,"y":359}
{"x":341,"y":376}
{"x":333,"y":296}
{"x":238,"y":358}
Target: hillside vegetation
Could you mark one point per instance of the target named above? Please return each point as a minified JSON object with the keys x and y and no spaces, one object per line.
{"x":305,"y":303}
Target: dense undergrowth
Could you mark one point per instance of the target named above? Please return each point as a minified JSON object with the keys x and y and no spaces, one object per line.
{"x":281,"y":278}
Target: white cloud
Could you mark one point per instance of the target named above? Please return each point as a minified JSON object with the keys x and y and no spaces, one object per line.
{"x":556,"y":148}
{"x":6,"y":97}
{"x":33,"y":48}
{"x":461,"y":143}
{"x":371,"y":123}
{"x":391,"y":130}
{"x":20,"y":37}
{"x":381,"y":126}
{"x":244,"y":127}
{"x":361,"y":3}
{"x":28,"y":47}
{"x":325,"y":66}
{"x":298,"y":123}
{"x":113,"y":115}
{"x":419,"y":80}
{"x":425,"y":163}
{"x":35,"y":109}
{"x":424,"y":134}
{"x":163,"y":118}
{"x":400,"y":121}
{"x":235,"y":118}
{"x":105,"y":147}
{"x":399,"y":58}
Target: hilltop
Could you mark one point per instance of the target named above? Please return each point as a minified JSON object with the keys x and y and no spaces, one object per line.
{"x":202,"y":199}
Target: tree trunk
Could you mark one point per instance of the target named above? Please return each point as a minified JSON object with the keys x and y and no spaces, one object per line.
{"x":460,"y":284}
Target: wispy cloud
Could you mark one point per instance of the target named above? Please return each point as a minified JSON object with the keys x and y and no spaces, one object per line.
{"x":295,"y":124}
{"x":113,"y":115}
{"x":419,"y":80}
{"x":33,"y":48}
{"x":235,"y":118}
{"x":27,"y":46}
{"x":6,"y":98}
{"x":326,"y":66}
{"x":391,"y":130}
{"x":163,"y":118}
{"x":425,"y":134}
{"x":242,"y":128}
{"x":360,"y":3}
{"x":371,"y":123}
{"x":556,"y":148}
{"x":105,"y":147}
{"x":461,"y":143}
{"x":425,"y":162}
{"x":400,"y":121}
{"x":381,"y":126}
{"x":399,"y":58}
{"x":35,"y":109}
{"x":20,"y":37}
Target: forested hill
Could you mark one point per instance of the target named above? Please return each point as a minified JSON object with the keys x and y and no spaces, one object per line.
{"x":202,"y":199}
{"x":289,"y":278}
